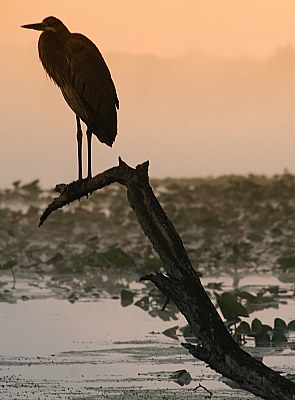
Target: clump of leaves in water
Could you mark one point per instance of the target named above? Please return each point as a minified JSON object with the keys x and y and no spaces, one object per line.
{"x":265,"y":335}
{"x":152,"y":302}
{"x":231,"y":307}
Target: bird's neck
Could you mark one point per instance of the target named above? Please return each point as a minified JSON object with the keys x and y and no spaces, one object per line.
{"x":51,"y":48}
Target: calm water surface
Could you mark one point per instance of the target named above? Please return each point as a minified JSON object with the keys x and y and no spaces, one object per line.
{"x":51,"y":348}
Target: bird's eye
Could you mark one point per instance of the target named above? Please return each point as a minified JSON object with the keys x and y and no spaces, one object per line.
{"x":50,"y":29}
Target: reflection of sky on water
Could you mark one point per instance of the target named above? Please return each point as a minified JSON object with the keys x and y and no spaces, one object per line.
{"x":43,"y":327}
{"x":94,"y":346}
{"x":49,"y":325}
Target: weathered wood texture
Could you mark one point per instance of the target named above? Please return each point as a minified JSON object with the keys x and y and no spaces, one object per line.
{"x":181,"y":283}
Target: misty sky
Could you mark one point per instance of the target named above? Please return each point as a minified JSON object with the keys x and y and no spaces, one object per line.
{"x":205,"y":88}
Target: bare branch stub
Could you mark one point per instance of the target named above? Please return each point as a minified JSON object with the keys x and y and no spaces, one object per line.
{"x":181,"y":283}
{"x":78,"y":189}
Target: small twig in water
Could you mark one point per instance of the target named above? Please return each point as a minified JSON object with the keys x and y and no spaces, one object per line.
{"x":203,"y":387}
{"x":13,"y":277}
{"x":165,"y":304}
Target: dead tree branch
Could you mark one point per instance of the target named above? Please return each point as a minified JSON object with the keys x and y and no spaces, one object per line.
{"x":181,"y":283}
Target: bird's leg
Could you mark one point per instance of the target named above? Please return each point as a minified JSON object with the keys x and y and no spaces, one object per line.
{"x":79,"y":140}
{"x":89,"y":136}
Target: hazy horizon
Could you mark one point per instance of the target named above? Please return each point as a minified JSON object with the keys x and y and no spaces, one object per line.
{"x":191,"y":115}
{"x":204,"y":90}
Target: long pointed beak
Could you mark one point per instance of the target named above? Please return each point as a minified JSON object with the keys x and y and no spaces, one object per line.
{"x":37,"y":27}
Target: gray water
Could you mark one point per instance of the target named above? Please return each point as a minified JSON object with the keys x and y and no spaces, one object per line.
{"x":53,"y":349}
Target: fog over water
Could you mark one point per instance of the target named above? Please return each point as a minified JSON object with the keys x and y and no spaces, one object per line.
{"x":192,"y":115}
{"x":204,"y":90}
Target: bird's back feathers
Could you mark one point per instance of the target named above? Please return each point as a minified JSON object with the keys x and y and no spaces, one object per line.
{"x":78,"y":68}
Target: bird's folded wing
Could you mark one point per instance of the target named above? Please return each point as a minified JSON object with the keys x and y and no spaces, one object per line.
{"x":90,"y":76}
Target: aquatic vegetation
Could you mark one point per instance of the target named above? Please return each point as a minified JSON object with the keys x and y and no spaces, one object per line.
{"x":232,"y":225}
{"x":231,"y":222}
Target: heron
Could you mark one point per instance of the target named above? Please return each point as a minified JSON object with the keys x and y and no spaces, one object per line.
{"x":77,"y":67}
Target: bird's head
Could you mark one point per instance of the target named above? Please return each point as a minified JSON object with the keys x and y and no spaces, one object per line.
{"x":49,"y":24}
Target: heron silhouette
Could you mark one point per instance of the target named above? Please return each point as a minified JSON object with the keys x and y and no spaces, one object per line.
{"x":77,"y":67}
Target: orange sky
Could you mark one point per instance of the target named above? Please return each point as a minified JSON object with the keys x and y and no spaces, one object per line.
{"x":183,"y":129}
{"x":163,"y":27}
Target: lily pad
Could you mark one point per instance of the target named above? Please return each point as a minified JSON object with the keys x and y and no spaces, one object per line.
{"x":181,"y":377}
{"x":291,"y":325}
{"x":262,"y":339}
{"x":229,"y":306}
{"x":126,"y":297}
{"x":279,"y":324}
{"x":188,"y":334}
{"x":143,"y":303}
{"x":279,"y":339}
{"x":171,"y":332}
{"x":9,"y":264}
{"x":243,"y":328}
{"x":286,"y":262}
{"x":256,"y":325}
